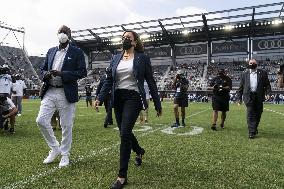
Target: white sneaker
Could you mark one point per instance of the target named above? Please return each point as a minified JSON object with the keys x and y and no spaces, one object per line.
{"x":52,"y":156}
{"x":64,"y":161}
{"x":19,"y":114}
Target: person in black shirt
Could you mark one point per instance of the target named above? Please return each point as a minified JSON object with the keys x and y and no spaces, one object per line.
{"x":180,"y":86}
{"x":280,"y":76}
{"x":222,"y":84}
{"x":107,"y":101}
{"x":89,"y":90}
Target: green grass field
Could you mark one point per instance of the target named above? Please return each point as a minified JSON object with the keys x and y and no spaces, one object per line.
{"x":222,"y":159}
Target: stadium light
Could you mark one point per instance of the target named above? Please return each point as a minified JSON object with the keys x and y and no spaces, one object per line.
{"x":116,"y":39}
{"x":185,"y":32}
{"x":229,"y":27}
{"x":276,"y":22}
{"x":144,"y":36}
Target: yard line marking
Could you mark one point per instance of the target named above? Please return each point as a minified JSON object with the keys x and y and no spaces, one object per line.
{"x":198,"y":113}
{"x":34,"y":177}
{"x":274,"y":111}
{"x":195,"y":130}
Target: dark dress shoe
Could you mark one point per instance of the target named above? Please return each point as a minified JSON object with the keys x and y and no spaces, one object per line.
{"x":251,"y":136}
{"x":175,"y":125}
{"x":6,"y":126}
{"x":138,"y":159}
{"x":213,"y":127}
{"x":11,"y":131}
{"x":118,"y":185}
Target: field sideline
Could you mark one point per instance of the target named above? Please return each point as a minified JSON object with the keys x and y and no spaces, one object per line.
{"x":222,"y":159}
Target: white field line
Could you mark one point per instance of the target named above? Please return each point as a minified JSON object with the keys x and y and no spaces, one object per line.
{"x":274,"y":111}
{"x":36,"y":176}
{"x":198,"y":113}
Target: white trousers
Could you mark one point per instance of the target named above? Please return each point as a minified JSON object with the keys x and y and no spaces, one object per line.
{"x":53,"y":100}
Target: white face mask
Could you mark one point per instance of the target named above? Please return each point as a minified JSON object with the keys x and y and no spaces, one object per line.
{"x":62,"y":37}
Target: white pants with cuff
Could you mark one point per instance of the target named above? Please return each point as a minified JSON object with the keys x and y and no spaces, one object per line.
{"x":53,"y":100}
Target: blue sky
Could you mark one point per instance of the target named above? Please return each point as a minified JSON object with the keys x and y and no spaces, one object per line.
{"x":42,"y":18}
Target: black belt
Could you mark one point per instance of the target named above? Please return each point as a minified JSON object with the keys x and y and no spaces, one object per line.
{"x":253,"y":94}
{"x":57,"y":86}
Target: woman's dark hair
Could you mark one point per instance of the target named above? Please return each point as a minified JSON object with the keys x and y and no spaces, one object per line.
{"x":139,"y":45}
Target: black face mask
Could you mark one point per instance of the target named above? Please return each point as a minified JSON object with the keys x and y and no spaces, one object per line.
{"x":252,"y":66}
{"x":126,"y":44}
{"x":221,"y":74}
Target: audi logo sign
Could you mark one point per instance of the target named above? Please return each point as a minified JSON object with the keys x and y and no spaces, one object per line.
{"x":268,"y":44}
{"x":191,"y":50}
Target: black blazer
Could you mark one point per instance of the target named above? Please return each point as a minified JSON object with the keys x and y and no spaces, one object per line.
{"x":142,"y":70}
{"x":263,"y":86}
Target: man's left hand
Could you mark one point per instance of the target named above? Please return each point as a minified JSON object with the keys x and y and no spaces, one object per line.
{"x":55,"y":73}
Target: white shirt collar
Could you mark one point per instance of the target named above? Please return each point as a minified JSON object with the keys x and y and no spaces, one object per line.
{"x":252,"y":71}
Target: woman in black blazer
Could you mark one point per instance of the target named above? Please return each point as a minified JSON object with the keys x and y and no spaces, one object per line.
{"x":126,"y":81}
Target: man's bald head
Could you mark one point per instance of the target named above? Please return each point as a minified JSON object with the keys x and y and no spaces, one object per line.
{"x":66,"y":30}
{"x":252,"y":61}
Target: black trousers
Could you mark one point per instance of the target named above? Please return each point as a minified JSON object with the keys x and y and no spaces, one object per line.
{"x":127,"y":106}
{"x":254,"y":111}
{"x":108,"y":108}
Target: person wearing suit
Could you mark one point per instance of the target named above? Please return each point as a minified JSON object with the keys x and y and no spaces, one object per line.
{"x":254,"y":85}
{"x":107,"y":102}
{"x":63,"y":66}
{"x":126,"y":82}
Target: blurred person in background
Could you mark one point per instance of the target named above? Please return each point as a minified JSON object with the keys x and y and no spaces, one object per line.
{"x":7,"y":110}
{"x":18,"y":91}
{"x":89,"y":91}
{"x":221,"y":85}
{"x":280,"y":76}
{"x":143,"y":116}
{"x":107,"y":101}
{"x":180,"y":86}
{"x":5,"y":81}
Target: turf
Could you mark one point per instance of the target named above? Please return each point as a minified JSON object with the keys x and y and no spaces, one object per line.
{"x":222,"y":159}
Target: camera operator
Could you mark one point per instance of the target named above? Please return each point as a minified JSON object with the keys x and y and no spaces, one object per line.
{"x":7,"y":110}
{"x":280,"y":76}
{"x":180,"y":86}
{"x":5,"y":81}
{"x":221,"y":85}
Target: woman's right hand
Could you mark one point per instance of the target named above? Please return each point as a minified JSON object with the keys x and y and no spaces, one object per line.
{"x":96,"y":105}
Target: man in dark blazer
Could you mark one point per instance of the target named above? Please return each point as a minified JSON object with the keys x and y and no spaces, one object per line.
{"x":254,"y":86}
{"x":63,"y":66}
